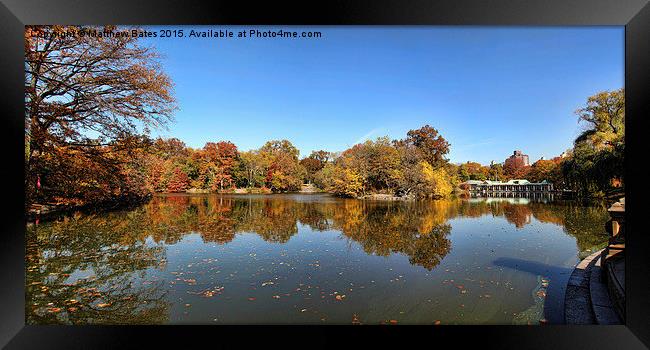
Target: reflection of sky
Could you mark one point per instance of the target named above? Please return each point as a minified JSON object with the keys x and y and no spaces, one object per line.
{"x":382,"y":287}
{"x":79,"y":275}
{"x":488,"y":274}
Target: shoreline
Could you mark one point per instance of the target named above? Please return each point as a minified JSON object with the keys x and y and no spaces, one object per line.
{"x":39,"y":212}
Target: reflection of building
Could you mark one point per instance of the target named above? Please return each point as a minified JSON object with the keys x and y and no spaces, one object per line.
{"x":512,"y":186}
{"x":517,"y":160}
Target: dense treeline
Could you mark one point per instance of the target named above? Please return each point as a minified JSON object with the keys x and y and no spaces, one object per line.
{"x":220,"y":167}
{"x":91,"y":102}
{"x":414,"y":166}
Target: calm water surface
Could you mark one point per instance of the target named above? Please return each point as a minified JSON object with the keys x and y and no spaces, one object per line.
{"x":309,"y":259}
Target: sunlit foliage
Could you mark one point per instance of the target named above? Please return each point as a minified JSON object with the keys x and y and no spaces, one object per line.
{"x":91,"y":101}
{"x":87,"y":101}
{"x":597,"y":159}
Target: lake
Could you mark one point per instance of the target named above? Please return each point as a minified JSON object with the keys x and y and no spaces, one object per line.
{"x":309,"y":259}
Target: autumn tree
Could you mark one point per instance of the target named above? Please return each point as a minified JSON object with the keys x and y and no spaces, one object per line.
{"x":221,"y":158}
{"x":156,"y":170}
{"x":164,"y":157}
{"x":382,"y":163}
{"x":432,"y":146}
{"x":83,"y":94}
{"x":170,"y":148}
{"x":429,"y":182}
{"x":315,"y":162}
{"x":347,"y":183}
{"x":322,"y":156}
{"x":178,"y":181}
{"x":284,"y":172}
{"x":542,"y":170}
{"x":414,"y":166}
{"x":376,"y":162}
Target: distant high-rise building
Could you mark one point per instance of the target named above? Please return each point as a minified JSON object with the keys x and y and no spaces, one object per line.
{"x":517,"y":159}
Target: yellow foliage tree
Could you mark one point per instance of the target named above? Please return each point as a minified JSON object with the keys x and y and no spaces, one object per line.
{"x":433,"y":182}
{"x":347,"y":183}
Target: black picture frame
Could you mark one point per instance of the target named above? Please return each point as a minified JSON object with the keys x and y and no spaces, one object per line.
{"x":633,"y":14}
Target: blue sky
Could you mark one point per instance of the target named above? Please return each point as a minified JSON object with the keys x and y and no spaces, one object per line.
{"x":488,"y":90}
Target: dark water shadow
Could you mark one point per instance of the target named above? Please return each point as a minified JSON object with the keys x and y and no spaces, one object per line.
{"x":559,"y":276}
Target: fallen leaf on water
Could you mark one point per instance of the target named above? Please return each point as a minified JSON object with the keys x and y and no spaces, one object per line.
{"x":103,"y":304}
{"x":53,"y":309}
{"x":355,"y":319}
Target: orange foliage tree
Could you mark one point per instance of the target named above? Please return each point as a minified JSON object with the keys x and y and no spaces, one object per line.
{"x":88,"y":99}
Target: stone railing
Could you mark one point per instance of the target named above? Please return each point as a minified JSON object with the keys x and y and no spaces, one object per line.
{"x":613,"y":257}
{"x":616,"y":225}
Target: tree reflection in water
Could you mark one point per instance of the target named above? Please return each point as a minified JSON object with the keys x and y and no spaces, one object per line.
{"x":101,"y":268}
{"x":89,"y":271}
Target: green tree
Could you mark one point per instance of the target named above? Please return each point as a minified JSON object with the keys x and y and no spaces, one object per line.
{"x":324,"y":178}
{"x":605,"y":118}
{"x":496,"y":172}
{"x":250,"y":170}
{"x":598,"y":153}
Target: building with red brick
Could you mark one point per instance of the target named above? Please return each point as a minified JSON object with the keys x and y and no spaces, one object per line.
{"x":517,"y":160}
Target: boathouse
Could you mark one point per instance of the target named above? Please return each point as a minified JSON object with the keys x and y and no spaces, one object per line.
{"x":517,"y":186}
